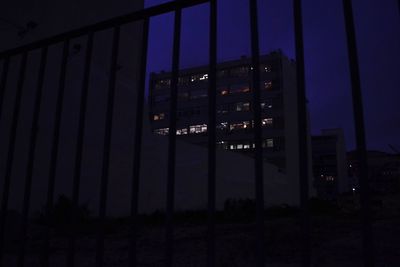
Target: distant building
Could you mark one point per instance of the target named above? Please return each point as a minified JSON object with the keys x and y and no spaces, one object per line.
{"x":234,"y":107}
{"x":383,"y":171}
{"x":329,"y":164}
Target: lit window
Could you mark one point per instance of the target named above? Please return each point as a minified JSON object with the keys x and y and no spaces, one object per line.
{"x":162,"y":131}
{"x":222,"y":126}
{"x":243,"y":88}
{"x":239,"y":125}
{"x":266,"y":105}
{"x":222,"y":144}
{"x":330,"y":178}
{"x":223,"y":90}
{"x":199,"y":77}
{"x":195,"y":129}
{"x":204,"y":77}
{"x":242,"y":106}
{"x":182,"y":131}
{"x":268,"y":85}
{"x":270,"y":142}
{"x":158,"y":117}
{"x":232,"y":147}
{"x":266,"y":68}
{"x":267,"y":122}
{"x":246,"y":146}
{"x":240,"y":146}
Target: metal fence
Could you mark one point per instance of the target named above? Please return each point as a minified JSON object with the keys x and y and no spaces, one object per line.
{"x":145,"y":15}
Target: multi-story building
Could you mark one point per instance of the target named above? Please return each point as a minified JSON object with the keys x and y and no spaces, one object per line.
{"x":235,"y":107}
{"x":383,"y":171}
{"x":329,"y":163}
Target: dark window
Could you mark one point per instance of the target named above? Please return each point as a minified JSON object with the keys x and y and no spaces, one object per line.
{"x":242,"y":71}
{"x":198,"y":94}
{"x":162,"y":83}
{"x":161,"y":98}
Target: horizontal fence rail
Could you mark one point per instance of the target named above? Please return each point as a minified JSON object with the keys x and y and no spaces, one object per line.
{"x":118,"y":21}
{"x":144,"y":16}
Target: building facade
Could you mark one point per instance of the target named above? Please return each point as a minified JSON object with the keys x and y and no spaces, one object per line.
{"x":383,"y":171}
{"x":329,"y":164}
{"x":235,"y":109}
{"x":234,"y":106}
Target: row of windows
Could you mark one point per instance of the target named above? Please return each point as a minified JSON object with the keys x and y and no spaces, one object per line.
{"x":193,"y":129}
{"x":267,"y":143}
{"x":202,"y":128}
{"x":266,"y":105}
{"x":275,"y":144}
{"x":266,"y":122}
{"x":241,"y":71}
{"x":245,"y":106}
{"x":223,"y":91}
{"x":243,"y":88}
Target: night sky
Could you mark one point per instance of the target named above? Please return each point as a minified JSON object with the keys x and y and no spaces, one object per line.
{"x":327,"y":72}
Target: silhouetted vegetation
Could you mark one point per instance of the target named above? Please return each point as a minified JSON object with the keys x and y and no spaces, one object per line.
{"x":60,"y":216}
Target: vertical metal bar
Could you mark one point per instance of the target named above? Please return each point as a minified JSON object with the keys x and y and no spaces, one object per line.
{"x":54,"y":152}
{"x":258,"y":160}
{"x":10,"y":153}
{"x":31,"y":155}
{"x":212,"y":89}
{"x":368,"y":246}
{"x":107,"y":148}
{"x":302,"y":133}
{"x":172,"y":141}
{"x":3,"y":82}
{"x":79,"y":150}
{"x":398,"y":5}
{"x":138,"y":143}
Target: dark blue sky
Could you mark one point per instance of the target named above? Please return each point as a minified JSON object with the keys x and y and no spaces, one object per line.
{"x":328,"y":83}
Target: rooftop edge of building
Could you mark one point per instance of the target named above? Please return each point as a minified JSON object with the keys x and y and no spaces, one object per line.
{"x":243,"y":59}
